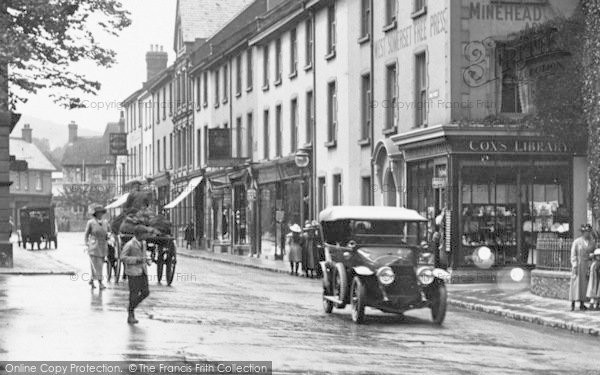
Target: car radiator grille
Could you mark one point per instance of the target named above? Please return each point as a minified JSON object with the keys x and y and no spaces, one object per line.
{"x":405,"y":282}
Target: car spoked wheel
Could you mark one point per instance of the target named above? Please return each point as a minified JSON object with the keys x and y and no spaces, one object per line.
{"x":439,"y":297}
{"x":327,"y":304}
{"x":357,"y":301}
{"x":340,"y":287}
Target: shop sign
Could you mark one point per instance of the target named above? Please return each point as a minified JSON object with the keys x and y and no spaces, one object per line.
{"x":517,"y":146}
{"x":265,"y":194}
{"x":439,"y":182}
{"x":251,"y":195}
{"x":219,"y":149}
{"x":227,"y":197}
{"x":118,"y":144}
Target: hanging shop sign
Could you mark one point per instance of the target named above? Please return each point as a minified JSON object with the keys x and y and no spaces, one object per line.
{"x":227,"y":197}
{"x":251,"y":195}
{"x":219,"y":149}
{"x":118,"y":144}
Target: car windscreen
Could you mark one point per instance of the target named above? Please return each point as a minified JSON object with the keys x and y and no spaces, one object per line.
{"x":385,"y":232}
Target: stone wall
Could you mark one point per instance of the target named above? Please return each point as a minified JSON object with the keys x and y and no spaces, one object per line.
{"x":552,"y":284}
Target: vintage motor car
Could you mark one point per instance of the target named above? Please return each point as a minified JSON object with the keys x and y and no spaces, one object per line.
{"x":378,"y":257}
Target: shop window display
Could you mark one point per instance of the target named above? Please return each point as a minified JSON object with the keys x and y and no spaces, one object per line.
{"x":506,"y":208}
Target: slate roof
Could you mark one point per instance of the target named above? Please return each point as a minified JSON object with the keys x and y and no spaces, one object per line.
{"x":202,"y":18}
{"x":35,"y":158}
{"x":91,"y":150}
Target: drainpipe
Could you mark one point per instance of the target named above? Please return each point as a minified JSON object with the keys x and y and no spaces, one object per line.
{"x":313,"y":184}
{"x":372,"y":114}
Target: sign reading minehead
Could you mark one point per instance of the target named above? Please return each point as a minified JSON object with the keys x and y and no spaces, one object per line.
{"x":118,"y":144}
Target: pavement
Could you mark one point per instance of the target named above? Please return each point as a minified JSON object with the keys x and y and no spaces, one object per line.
{"x":36,"y":262}
{"x":509,"y":300}
{"x":218,"y":311}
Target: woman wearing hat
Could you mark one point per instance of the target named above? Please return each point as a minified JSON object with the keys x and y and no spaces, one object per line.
{"x":580,"y":255}
{"x":293,"y":244}
{"x":96,"y":236}
{"x":593,"y":290}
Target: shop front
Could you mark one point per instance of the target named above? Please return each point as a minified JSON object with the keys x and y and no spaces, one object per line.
{"x":283,"y":199}
{"x":494,"y":192}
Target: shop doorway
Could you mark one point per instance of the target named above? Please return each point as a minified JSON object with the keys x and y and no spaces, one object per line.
{"x":389,"y":189}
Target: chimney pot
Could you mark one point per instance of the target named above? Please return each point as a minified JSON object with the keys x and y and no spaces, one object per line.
{"x":156,"y":61}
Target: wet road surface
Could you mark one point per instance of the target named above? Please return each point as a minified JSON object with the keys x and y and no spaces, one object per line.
{"x":222,"y":312}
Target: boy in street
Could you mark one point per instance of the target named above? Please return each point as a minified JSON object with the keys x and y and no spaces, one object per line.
{"x":134,"y":258}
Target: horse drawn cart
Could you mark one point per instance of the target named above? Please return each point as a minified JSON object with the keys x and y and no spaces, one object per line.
{"x":161,"y":250}
{"x":37,"y":226}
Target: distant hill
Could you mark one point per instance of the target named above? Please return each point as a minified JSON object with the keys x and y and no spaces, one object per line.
{"x":57,"y":134}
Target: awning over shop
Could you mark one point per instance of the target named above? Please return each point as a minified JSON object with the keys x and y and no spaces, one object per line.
{"x":119,"y":202}
{"x":194,"y":182}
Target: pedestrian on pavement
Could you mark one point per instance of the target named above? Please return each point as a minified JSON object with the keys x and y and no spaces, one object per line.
{"x":435,"y":246}
{"x":134,"y":258}
{"x":580,"y":259}
{"x":96,"y":240}
{"x":309,"y":261}
{"x":293,"y":244}
{"x":189,"y":235}
{"x":593,"y":290}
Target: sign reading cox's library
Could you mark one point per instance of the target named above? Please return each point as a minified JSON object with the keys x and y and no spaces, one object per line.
{"x":511,"y":146}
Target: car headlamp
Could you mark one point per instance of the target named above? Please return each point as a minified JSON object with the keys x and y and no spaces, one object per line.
{"x":425,"y":275}
{"x":386,"y":275}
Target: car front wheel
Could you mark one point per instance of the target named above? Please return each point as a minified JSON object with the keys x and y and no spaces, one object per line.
{"x":340,"y":287}
{"x":357,"y":300}
{"x":439,"y":298}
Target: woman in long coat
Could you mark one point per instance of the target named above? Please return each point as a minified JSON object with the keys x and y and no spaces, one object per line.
{"x":96,"y":240}
{"x":309,"y":262}
{"x":580,"y":262}
{"x":293,"y":245}
{"x":593,"y":290}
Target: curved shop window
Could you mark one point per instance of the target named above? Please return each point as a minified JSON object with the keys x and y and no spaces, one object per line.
{"x":507,"y":205}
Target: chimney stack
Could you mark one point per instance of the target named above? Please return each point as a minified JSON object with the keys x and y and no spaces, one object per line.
{"x":26,"y":133}
{"x":72,"y":132}
{"x":156,"y":61}
{"x":122,"y":122}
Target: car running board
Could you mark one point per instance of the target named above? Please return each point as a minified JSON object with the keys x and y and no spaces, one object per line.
{"x":333,"y":299}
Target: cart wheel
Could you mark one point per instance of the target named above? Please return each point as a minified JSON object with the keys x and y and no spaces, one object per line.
{"x":119,"y":263}
{"x":160,"y":265}
{"x":171,"y":263}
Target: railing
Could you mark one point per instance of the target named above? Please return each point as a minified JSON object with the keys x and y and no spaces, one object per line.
{"x":553,"y":254}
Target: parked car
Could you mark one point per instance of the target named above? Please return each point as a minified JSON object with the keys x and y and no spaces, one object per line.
{"x":378,"y":257}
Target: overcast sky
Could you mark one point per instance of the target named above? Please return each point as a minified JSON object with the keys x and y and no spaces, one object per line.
{"x":152,"y":23}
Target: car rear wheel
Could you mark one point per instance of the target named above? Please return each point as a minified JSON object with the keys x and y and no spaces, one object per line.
{"x":340,"y":287}
{"x":439,"y":298}
{"x":357,"y":300}
{"x":327,"y":305}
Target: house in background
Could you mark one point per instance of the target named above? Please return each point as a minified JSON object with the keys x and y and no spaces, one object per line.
{"x":88,"y":175}
{"x":31,"y":187}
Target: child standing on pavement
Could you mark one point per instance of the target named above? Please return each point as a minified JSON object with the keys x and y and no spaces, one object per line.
{"x":134,"y":258}
{"x":593,"y":290}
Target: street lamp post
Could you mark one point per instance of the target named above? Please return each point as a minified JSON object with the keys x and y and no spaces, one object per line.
{"x":302,"y":160}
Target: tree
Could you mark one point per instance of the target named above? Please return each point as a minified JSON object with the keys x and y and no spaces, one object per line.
{"x":591,"y":96}
{"x":84,"y":195}
{"x":41,"y":39}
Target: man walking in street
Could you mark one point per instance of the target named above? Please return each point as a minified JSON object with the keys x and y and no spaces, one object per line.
{"x":134,"y":257}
